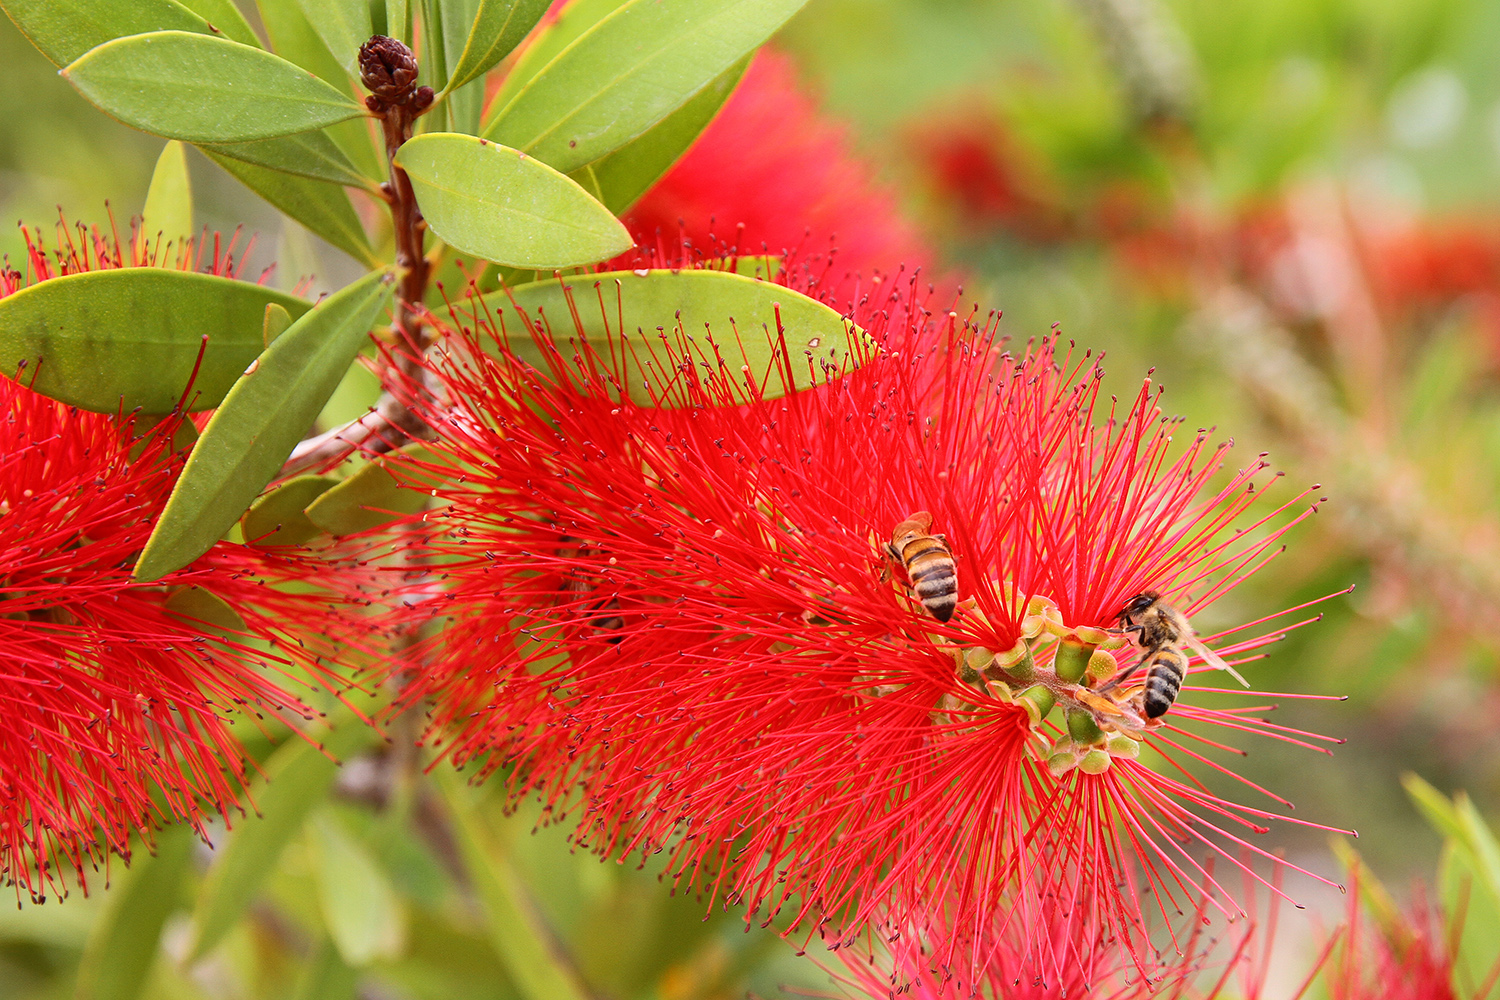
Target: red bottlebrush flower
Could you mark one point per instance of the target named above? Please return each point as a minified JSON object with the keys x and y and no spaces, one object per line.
{"x":80,"y":248}
{"x":114,"y":711}
{"x":682,"y":623}
{"x":1076,"y":962}
{"x":773,"y":174}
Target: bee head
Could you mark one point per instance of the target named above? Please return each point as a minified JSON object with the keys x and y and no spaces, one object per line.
{"x":914,"y":526}
{"x":1139,"y":604}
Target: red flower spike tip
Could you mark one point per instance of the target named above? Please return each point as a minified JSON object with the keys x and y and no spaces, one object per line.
{"x":117,"y":695}
{"x":80,"y":248}
{"x":1085,"y":965}
{"x":688,"y":627}
{"x":772,"y":174}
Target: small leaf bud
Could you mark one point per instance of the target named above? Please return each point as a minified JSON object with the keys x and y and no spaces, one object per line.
{"x":388,"y":69}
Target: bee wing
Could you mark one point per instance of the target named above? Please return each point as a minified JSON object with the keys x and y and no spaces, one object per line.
{"x":1215,"y":660}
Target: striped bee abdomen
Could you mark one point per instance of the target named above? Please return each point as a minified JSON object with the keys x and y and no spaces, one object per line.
{"x":929,"y":565}
{"x":1163,"y":681}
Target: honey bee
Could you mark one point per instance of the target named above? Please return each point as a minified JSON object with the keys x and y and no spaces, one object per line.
{"x":928,"y":563}
{"x":1162,"y":631}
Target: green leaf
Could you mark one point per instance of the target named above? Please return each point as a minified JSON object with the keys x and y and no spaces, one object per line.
{"x":740,"y":313}
{"x":223,"y":15}
{"x":322,"y":207}
{"x":130,"y":337}
{"x":1481,"y":844}
{"x":344,"y":25}
{"x":184,"y":433}
{"x":199,"y":606}
{"x":275,"y":323}
{"x":515,"y":926}
{"x":366,"y":499}
{"x":495,"y":203}
{"x":278,"y":519}
{"x":627,"y":173}
{"x":1434,"y":805}
{"x":630,"y":71}
{"x":434,"y":60}
{"x":297,"y":778}
{"x":261,"y":419}
{"x":306,"y":154}
{"x":462,"y":105}
{"x":295,"y":39}
{"x":1477,"y":950}
{"x":124,"y":941}
{"x":398,"y":20}
{"x":572,"y":21}
{"x":204,"y":89}
{"x":499,"y":26}
{"x":1469,"y":877}
{"x":169,"y":199}
{"x":369,"y":498}
{"x":361,"y":910}
{"x":326,"y":976}
{"x":64,"y":31}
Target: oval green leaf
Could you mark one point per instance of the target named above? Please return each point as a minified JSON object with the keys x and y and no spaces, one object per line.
{"x":446,"y":28}
{"x":130,"y":337}
{"x":576,"y":17}
{"x":198,"y":606}
{"x":344,"y":25}
{"x":322,"y":207}
{"x":278,"y":519}
{"x":306,"y":154}
{"x":739,"y":312}
{"x":125,"y":941}
{"x":65,"y":31}
{"x":630,"y":71}
{"x":398,"y":20}
{"x":297,"y":778}
{"x":223,"y":16}
{"x":295,"y":40}
{"x":169,"y":199}
{"x":627,"y":173}
{"x":361,"y":910}
{"x":369,"y":498}
{"x":275,"y":323}
{"x":493,"y":202}
{"x":200,"y":88}
{"x":499,"y":26}
{"x":261,"y":419}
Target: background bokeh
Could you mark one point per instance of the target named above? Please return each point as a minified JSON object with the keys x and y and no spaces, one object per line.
{"x":1286,"y":208}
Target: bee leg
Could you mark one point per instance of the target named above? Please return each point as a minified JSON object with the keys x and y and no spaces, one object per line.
{"x":1120,"y":679}
{"x":892,"y":558}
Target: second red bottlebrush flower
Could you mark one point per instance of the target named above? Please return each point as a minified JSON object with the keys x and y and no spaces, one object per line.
{"x":118,"y":696}
{"x":682,"y":627}
{"x":774,"y":175}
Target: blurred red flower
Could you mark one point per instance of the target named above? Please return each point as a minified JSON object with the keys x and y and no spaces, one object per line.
{"x":677,"y":622}
{"x":772,"y":174}
{"x":118,"y":696}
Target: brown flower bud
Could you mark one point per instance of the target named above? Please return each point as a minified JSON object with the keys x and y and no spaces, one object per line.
{"x":388,"y":69}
